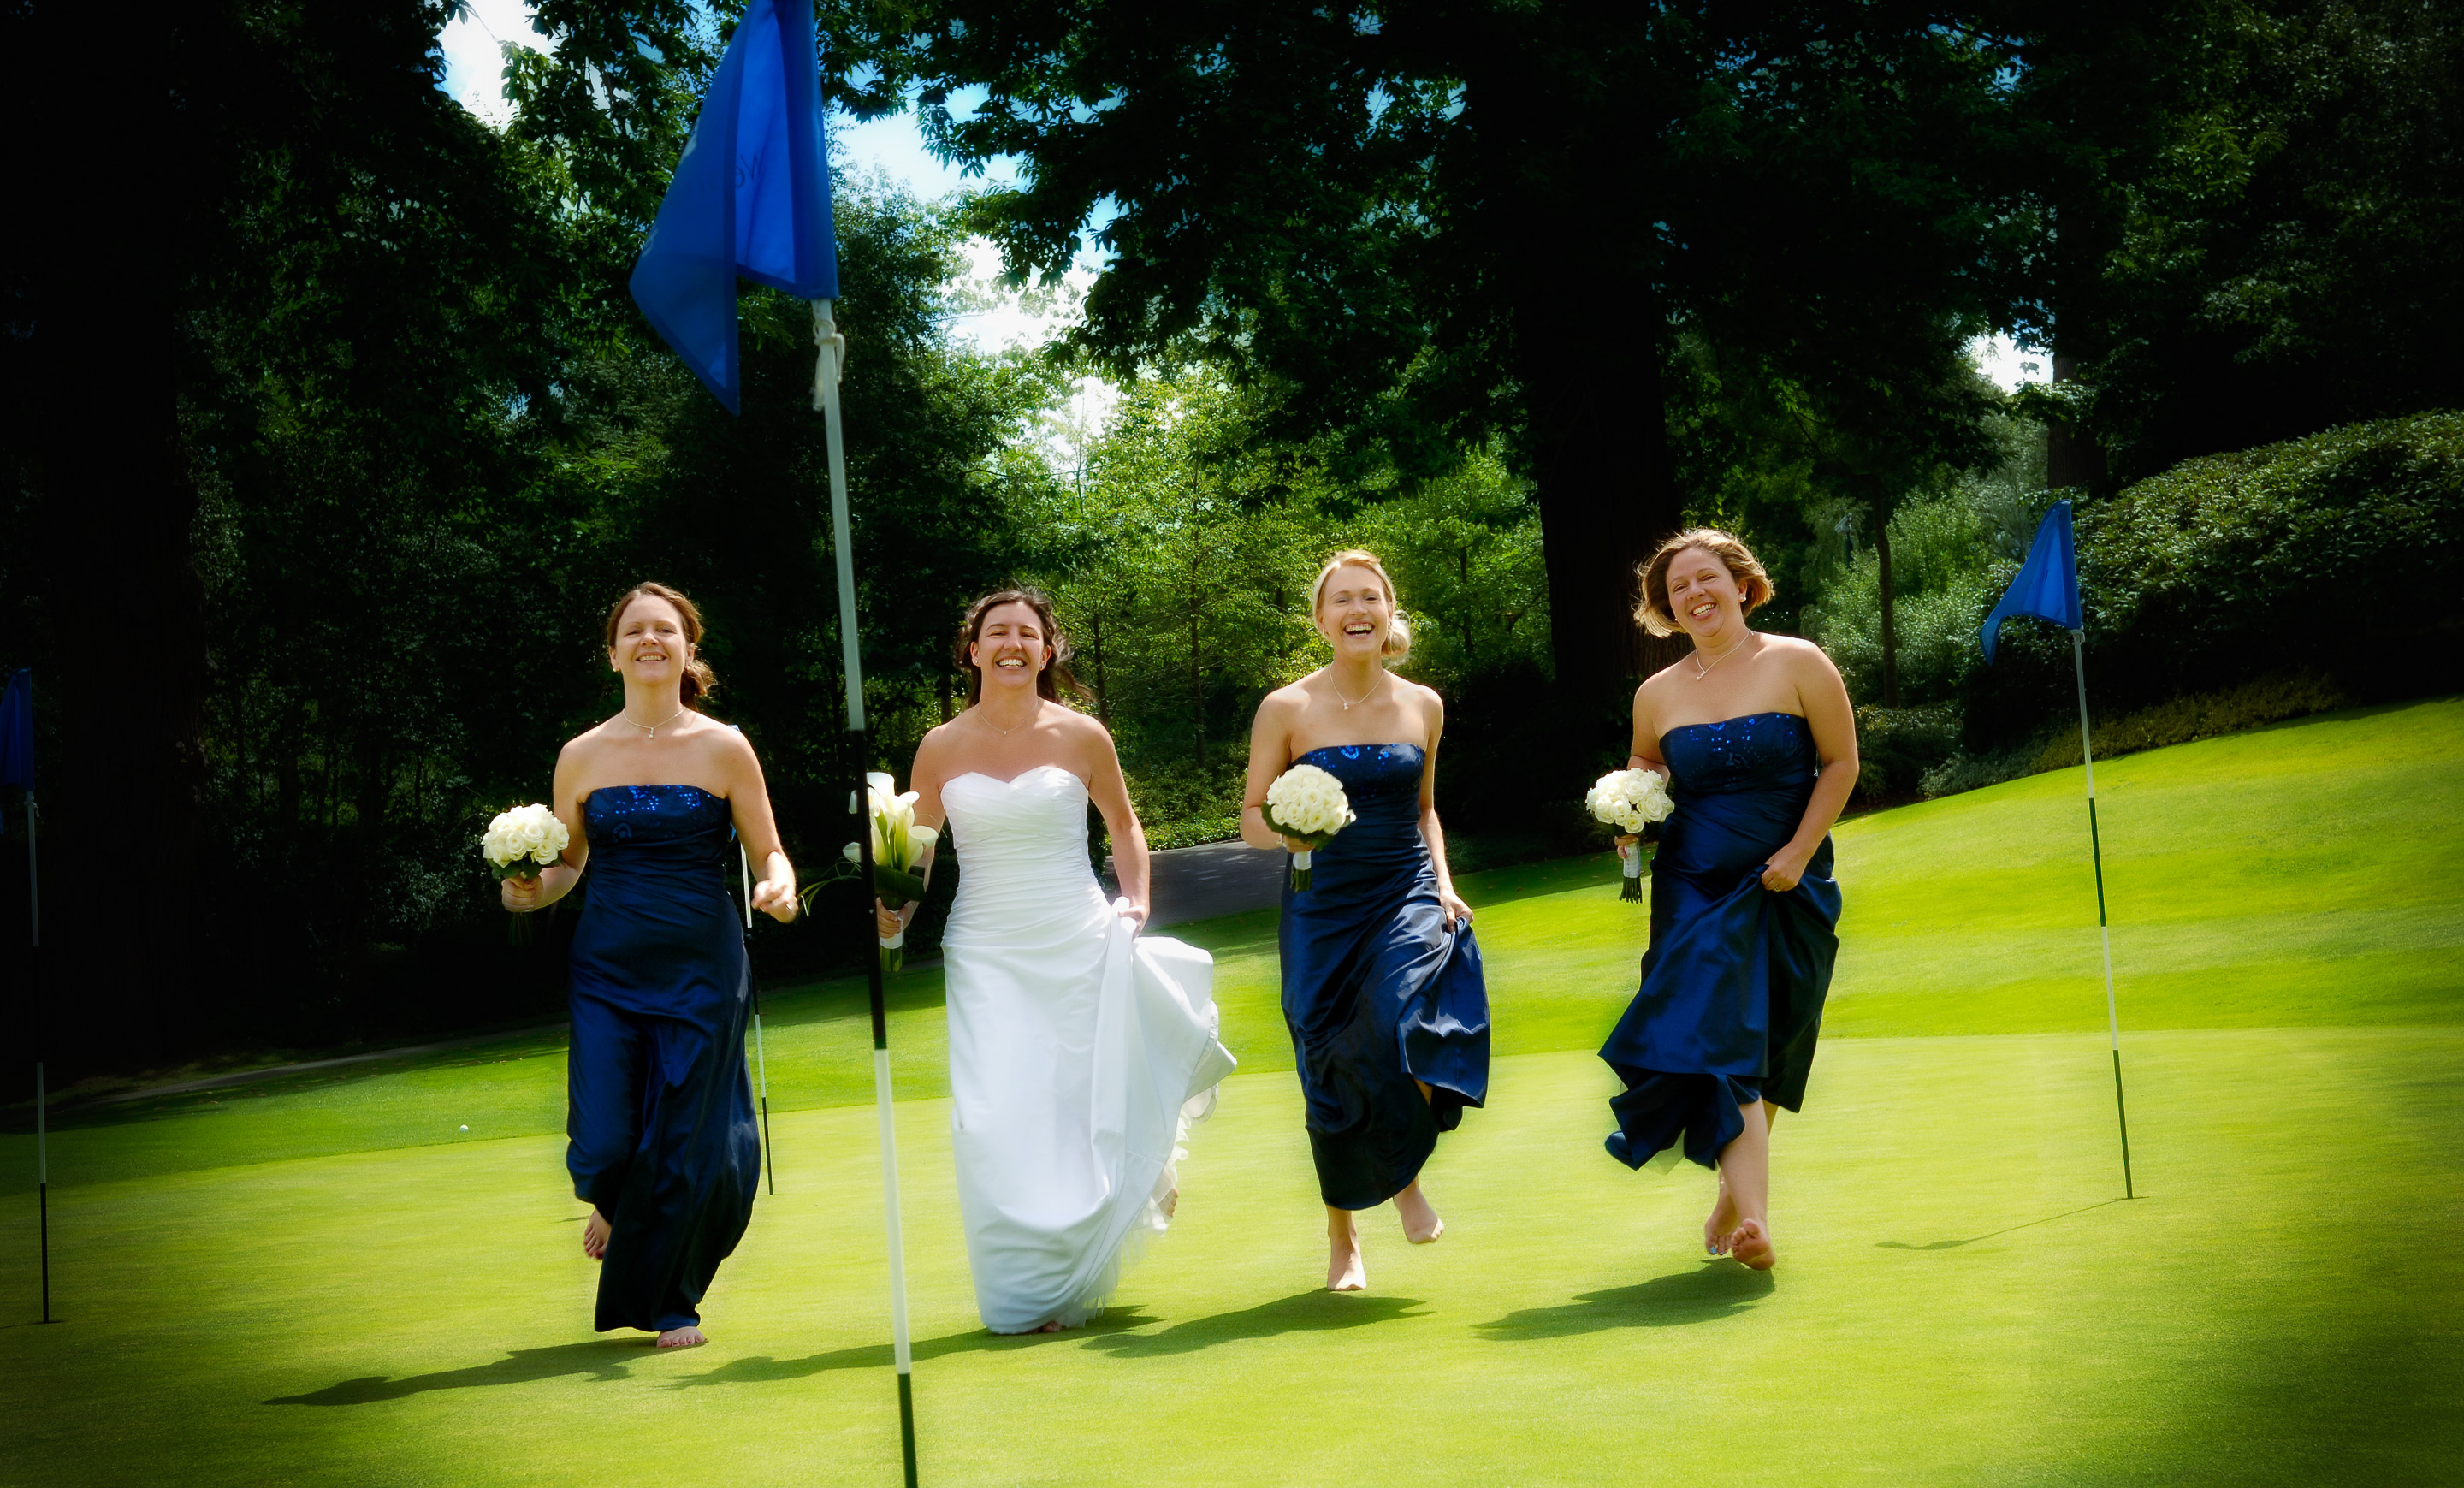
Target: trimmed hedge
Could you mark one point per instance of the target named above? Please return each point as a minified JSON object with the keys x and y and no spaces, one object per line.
{"x":2340,"y":554}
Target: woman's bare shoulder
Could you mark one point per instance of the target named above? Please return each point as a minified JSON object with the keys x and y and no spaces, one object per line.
{"x":1288,"y":701}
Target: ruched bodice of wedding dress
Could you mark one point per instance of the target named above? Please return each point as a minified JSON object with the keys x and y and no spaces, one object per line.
{"x":1077,"y":1053}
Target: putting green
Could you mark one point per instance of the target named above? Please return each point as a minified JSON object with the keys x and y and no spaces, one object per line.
{"x":377,"y":1297}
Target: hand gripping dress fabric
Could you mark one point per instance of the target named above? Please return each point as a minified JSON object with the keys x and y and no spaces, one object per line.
{"x":1377,"y":992}
{"x":1079,"y":1054}
{"x":1733,"y":982}
{"x":660,"y":1114}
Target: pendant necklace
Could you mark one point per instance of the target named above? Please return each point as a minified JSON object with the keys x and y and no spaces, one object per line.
{"x":1347,"y":702}
{"x":1700,"y":671}
{"x":652,"y":729}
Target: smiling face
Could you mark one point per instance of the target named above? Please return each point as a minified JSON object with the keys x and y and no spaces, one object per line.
{"x":1705,"y":596}
{"x":650,"y":646}
{"x":1010,"y":647}
{"x":1354,"y":611}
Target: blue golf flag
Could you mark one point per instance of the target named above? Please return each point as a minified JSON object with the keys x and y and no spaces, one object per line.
{"x":751,"y":197}
{"x":17,"y":731}
{"x":2048,"y":583}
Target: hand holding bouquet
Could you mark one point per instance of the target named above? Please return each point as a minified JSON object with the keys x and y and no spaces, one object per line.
{"x":1629,"y":800}
{"x":522,"y":841}
{"x":898,"y":847}
{"x":1306,"y":805}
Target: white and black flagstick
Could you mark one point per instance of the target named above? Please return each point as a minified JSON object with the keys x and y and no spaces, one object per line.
{"x":2096,"y":852}
{"x":825,"y":398}
{"x":760,"y":1060}
{"x":42,"y":1134}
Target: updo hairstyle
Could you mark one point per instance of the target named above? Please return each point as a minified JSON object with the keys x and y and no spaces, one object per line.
{"x":1050,"y":682}
{"x":700,"y":681}
{"x":1398,"y":631}
{"x":1655,"y":613}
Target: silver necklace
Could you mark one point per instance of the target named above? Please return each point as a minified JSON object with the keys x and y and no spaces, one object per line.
{"x":1700,"y":671}
{"x":652,"y":729}
{"x":988,"y":722}
{"x":1348,"y":701}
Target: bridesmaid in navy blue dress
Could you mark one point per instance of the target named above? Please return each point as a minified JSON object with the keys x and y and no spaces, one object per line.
{"x":662,"y":1143}
{"x":1383,"y":986}
{"x":1758,"y":742}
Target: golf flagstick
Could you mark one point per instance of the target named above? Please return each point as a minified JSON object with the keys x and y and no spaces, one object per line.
{"x":2096,"y":852}
{"x":760,"y":1060}
{"x":825,"y":398}
{"x":42,"y":1134}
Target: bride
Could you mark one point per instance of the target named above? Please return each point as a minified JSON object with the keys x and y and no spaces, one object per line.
{"x":1078,"y":1051}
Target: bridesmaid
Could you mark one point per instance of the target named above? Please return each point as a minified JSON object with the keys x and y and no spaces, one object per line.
{"x":1383,"y":986}
{"x":1755,"y":735}
{"x":660,"y":1116}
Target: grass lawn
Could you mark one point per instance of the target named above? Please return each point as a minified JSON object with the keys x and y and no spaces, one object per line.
{"x":325,"y":1281}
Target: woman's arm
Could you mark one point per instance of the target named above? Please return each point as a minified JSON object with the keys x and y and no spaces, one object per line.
{"x":748,"y":794}
{"x":1430,"y":832}
{"x":1643,"y":753}
{"x":521,"y":896}
{"x":1824,"y":698}
{"x":1270,"y":738}
{"x":1112,"y":792}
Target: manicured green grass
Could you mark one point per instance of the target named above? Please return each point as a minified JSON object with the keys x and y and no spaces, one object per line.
{"x":324,"y":1281}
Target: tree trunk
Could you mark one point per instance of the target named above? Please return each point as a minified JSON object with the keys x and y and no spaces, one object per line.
{"x":121,"y":602}
{"x":1103,"y":697}
{"x":1197,"y":692}
{"x":1890,"y":614}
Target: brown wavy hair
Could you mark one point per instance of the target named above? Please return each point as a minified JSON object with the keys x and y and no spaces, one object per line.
{"x":1050,"y":682}
{"x":700,"y":681}
{"x":1733,"y":555}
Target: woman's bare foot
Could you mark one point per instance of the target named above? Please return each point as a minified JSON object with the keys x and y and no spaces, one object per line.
{"x":1750,"y":1245}
{"x":1056,"y":1326}
{"x":1422,"y":1224}
{"x":595,"y":1231}
{"x":686,"y":1336}
{"x":1170,"y":1204}
{"x":1723,"y":1220}
{"x":1345,"y":1269}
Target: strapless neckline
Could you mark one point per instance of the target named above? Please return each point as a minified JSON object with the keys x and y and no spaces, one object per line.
{"x":1012,"y":782}
{"x":1353,"y":751}
{"x":695,"y":789}
{"x":1742,"y":718}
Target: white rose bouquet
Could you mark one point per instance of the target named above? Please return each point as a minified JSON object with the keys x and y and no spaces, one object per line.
{"x":1308,"y":804}
{"x":520,"y":842}
{"x":898,"y":847}
{"x":1629,"y":800}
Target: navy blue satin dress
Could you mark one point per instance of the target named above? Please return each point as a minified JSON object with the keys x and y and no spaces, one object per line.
{"x":1733,"y":983}
{"x":1377,"y":990}
{"x":663,"y":1141}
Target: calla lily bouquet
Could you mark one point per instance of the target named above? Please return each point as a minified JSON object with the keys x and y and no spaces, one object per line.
{"x":1307,"y":803}
{"x":899,"y":847}
{"x":1630,"y":800}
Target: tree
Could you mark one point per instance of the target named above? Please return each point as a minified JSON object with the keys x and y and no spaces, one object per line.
{"x":1421,"y":226}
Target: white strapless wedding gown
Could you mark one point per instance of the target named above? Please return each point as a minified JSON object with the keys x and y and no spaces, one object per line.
{"x":1078,"y":1053}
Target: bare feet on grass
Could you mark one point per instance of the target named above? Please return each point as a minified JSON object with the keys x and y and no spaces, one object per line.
{"x":1422,"y":1224}
{"x":1751,"y":1245}
{"x":1722,"y":1222}
{"x":1345,"y":1269}
{"x":1171,"y":1205}
{"x":686,"y":1336}
{"x":595,"y":1231}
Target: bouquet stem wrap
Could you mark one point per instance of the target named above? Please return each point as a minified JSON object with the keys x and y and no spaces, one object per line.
{"x":1632,"y":890}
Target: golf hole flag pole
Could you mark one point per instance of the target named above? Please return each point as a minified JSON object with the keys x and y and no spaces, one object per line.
{"x":17,"y":768}
{"x":750,"y":199}
{"x":2047,"y":587}
{"x":760,"y":1059}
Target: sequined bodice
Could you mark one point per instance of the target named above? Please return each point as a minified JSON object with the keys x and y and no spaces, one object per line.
{"x":1759,"y":751}
{"x":1374,"y":776}
{"x":674,"y":827}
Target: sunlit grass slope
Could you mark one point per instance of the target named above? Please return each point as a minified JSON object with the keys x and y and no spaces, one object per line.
{"x":326,"y":1280}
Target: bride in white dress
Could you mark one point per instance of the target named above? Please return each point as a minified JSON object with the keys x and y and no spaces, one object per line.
{"x":1079,"y":1050}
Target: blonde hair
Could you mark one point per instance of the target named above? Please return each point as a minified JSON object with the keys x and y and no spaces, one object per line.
{"x":1739,"y":560}
{"x":1398,"y":631}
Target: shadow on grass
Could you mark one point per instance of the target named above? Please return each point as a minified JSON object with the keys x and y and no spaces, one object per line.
{"x":1305,"y":1312}
{"x":600,"y":1359}
{"x":1953,"y":1244}
{"x":762,"y":1368}
{"x":1715,"y":1290}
